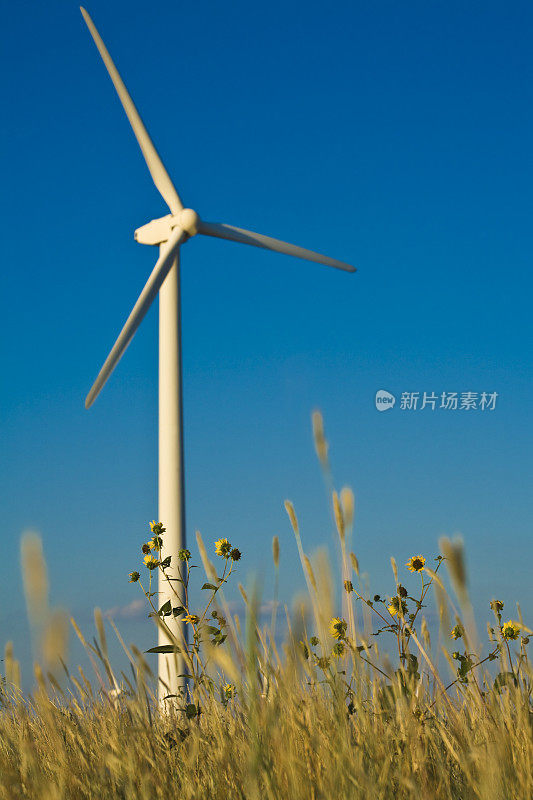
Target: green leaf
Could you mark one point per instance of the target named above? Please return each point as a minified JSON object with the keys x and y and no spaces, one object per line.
{"x":165,"y":609}
{"x":221,"y":639}
{"x":212,"y":630}
{"x":191,"y":710}
{"x":504,"y":679}
{"x":179,"y":610}
{"x":208,"y":586}
{"x":164,"y":648}
{"x":412,"y":665}
{"x":166,"y":562}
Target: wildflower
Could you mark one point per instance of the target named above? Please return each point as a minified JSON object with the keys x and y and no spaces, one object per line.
{"x":457,"y":632}
{"x":397,"y":606}
{"x":151,"y":562}
{"x":235,"y":554}
{"x":338,"y":649}
{"x":314,"y":640}
{"x":184,"y":554}
{"x":157,"y":527}
{"x":145,"y":548}
{"x":192,"y":618}
{"x":456,"y":655}
{"x":222,"y":548}
{"x":402,"y":591}
{"x":337,"y":628}
{"x":496,"y":606}
{"x":323,"y":663}
{"x":511,"y":630}
{"x":228,"y":690}
{"x":377,"y":598}
{"x":416,"y":563}
{"x":156,"y":543}
{"x":348,"y":586}
{"x":134,"y":577}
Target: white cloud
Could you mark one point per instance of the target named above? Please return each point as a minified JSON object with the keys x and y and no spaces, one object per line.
{"x":129,"y":611}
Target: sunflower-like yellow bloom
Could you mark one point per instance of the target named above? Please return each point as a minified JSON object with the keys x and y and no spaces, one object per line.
{"x":222,"y":547}
{"x":151,"y":562}
{"x":511,"y":630}
{"x":191,"y":618}
{"x":337,"y":628}
{"x":456,"y":632}
{"x":228,"y":690}
{"x":338,"y":650}
{"x":156,"y":543}
{"x":397,"y":606}
{"x":416,"y":563}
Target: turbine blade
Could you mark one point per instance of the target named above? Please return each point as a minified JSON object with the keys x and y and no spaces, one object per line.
{"x":155,"y":165}
{"x":222,"y":231}
{"x":146,"y":298}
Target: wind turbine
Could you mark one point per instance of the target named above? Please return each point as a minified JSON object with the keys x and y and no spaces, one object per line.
{"x":170,"y":232}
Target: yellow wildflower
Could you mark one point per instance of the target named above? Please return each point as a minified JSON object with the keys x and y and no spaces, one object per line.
{"x":457,"y":632}
{"x":338,"y":649}
{"x":397,"y":606}
{"x":416,"y":563}
{"x":192,"y":618}
{"x":228,"y":690}
{"x":337,"y":628}
{"x":511,"y":630}
{"x":222,"y":547}
{"x":151,"y":562}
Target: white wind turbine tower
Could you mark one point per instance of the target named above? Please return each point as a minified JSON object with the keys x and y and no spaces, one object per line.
{"x":170,"y":232}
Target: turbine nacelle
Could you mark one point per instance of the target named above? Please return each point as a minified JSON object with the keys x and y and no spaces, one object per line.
{"x":158,"y":230}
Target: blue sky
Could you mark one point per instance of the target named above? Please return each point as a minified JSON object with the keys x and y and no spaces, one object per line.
{"x":394,"y":136}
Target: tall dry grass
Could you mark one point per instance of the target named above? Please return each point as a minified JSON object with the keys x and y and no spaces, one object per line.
{"x":327,"y":717}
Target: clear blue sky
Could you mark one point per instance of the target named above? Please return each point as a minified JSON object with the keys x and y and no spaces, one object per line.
{"x":394,"y":136}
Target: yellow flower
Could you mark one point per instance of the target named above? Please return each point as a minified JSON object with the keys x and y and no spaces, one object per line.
{"x":152,"y":525}
{"x":397,"y":606}
{"x":228,"y":690}
{"x":338,"y":650}
{"x":337,"y":628}
{"x":151,"y":562}
{"x":192,"y":618}
{"x":156,"y":543}
{"x":511,"y":630}
{"x":457,"y":632}
{"x":222,"y":547}
{"x":416,"y":563}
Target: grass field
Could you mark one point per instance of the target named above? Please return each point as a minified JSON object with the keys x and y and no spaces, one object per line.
{"x":327,"y":715}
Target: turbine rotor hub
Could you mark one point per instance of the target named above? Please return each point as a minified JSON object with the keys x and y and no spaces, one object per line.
{"x":188,"y":220}
{"x":158,"y":230}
